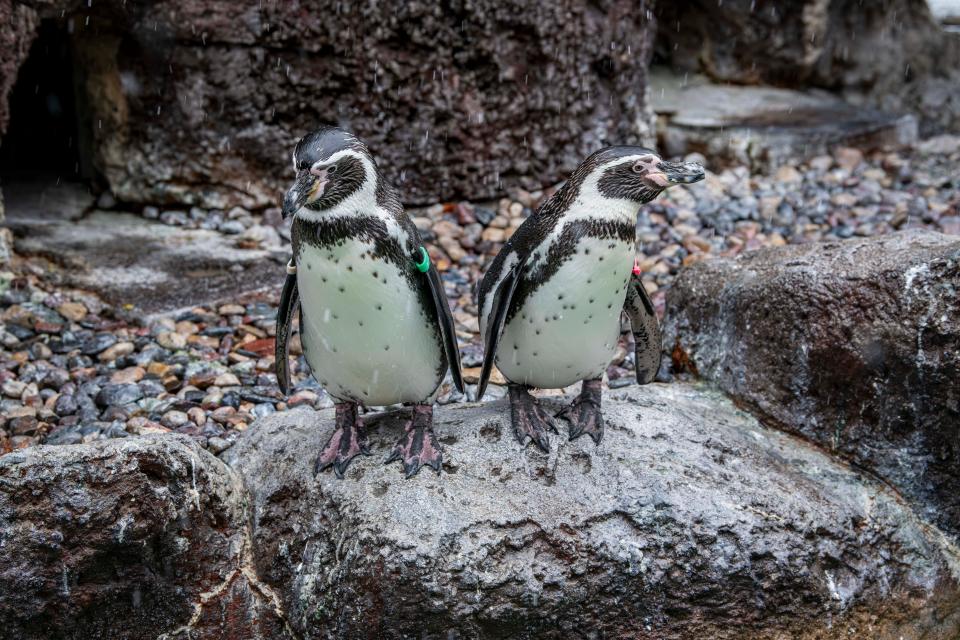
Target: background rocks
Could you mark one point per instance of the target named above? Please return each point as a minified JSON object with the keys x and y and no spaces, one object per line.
{"x":889,"y":54}
{"x":690,"y":520}
{"x":131,"y":539}
{"x":202,"y":106}
{"x":854,"y":345}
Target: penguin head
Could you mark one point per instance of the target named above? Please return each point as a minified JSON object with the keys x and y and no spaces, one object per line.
{"x":331,"y":165}
{"x":639,"y":174}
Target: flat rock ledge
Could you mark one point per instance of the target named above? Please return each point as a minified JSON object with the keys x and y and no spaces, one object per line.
{"x":689,"y":520}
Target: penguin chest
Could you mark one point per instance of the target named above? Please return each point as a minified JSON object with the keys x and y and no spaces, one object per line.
{"x":367,"y":334}
{"x":567,"y":329}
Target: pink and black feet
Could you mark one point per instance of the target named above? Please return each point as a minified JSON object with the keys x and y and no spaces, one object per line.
{"x":418,"y":446}
{"x":584,"y":414}
{"x":530,"y":421}
{"x":347,"y":442}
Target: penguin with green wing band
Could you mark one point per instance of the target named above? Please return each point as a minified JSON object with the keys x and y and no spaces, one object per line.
{"x":375,"y":324}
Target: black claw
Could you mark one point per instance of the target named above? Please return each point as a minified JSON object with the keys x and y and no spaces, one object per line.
{"x":584,"y":413}
{"x":418,"y":447}
{"x":347,"y":442}
{"x":530,"y":420}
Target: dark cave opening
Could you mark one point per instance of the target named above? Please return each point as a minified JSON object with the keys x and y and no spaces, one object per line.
{"x":46,"y":167}
{"x":42,"y":135}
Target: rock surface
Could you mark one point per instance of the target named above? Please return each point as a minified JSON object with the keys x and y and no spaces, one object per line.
{"x":892,"y":54}
{"x":690,"y":520}
{"x":138,"y":538}
{"x":128,"y":260}
{"x":456,"y":101}
{"x":854,"y":345}
{"x":764,"y":127}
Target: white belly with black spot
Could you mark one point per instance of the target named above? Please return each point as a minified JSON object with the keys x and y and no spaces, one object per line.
{"x":567,"y":329}
{"x":366,"y":336}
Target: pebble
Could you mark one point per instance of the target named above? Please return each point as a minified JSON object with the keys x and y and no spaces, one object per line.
{"x":171,"y":340}
{"x":112,"y":353}
{"x":118,"y":394}
{"x":174,"y":419}
{"x":232,"y":310}
{"x":73,"y":311}
{"x":98,"y":343}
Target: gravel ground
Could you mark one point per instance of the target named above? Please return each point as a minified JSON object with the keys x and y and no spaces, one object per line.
{"x":73,"y":369}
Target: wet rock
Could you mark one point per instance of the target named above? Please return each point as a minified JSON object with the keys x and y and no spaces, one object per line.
{"x":118,"y":394}
{"x":464,"y":86}
{"x":97,"y":343}
{"x":686,"y":496}
{"x":126,"y":538}
{"x":806,"y":44}
{"x":855,"y":345}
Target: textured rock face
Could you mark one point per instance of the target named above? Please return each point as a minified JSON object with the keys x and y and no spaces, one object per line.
{"x":690,"y":520}
{"x":202,"y":103}
{"x":128,"y":539}
{"x":855,"y":345}
{"x":19,"y":23}
{"x":889,"y":54}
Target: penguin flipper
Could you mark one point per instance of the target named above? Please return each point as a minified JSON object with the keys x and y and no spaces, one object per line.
{"x":289,"y":301}
{"x":447,"y":328}
{"x":647,"y":342}
{"x":502,"y":297}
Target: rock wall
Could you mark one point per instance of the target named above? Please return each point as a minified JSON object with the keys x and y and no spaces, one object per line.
{"x":202,"y":103}
{"x":854,"y":345}
{"x":889,"y":54}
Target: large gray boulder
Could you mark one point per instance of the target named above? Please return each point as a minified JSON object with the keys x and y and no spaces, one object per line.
{"x":201,"y":103}
{"x":690,"y":520}
{"x":132,"y":538}
{"x":854,"y":345}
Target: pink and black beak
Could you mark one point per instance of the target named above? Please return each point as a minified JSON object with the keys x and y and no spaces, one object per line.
{"x":308,"y":186}
{"x":669,"y":174}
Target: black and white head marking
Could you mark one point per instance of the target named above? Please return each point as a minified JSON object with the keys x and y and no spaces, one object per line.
{"x":336,"y":173}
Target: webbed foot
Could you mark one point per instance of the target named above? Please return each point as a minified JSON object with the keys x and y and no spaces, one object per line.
{"x":530,"y":420}
{"x":584,"y":413}
{"x":347,"y":442}
{"x":418,"y":447}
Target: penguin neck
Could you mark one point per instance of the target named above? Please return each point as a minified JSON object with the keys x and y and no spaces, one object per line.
{"x":373,"y":199}
{"x":589,"y":202}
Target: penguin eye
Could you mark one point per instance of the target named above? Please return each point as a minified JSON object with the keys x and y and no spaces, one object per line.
{"x":639,"y":167}
{"x":332,"y":169}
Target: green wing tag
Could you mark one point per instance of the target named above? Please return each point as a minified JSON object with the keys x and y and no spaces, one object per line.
{"x":423,"y":264}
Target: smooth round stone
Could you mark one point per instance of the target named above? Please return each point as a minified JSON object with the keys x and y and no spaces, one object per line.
{"x":174,"y":419}
{"x":119,"y":394}
{"x":98,"y":343}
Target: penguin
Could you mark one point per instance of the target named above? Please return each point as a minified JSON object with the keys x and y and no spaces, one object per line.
{"x":551,"y":301}
{"x":375,"y":325}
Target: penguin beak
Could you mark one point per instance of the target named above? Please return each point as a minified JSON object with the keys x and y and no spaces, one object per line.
{"x":298,"y":194}
{"x":674,"y":173}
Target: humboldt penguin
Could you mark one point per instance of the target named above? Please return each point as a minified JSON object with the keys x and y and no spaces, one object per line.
{"x":375,"y":325}
{"x":551,"y":301}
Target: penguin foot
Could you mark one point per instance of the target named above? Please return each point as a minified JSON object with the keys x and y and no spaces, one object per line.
{"x":530,"y":420}
{"x":584,"y":413}
{"x":347,"y":442}
{"x":418,"y":447}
